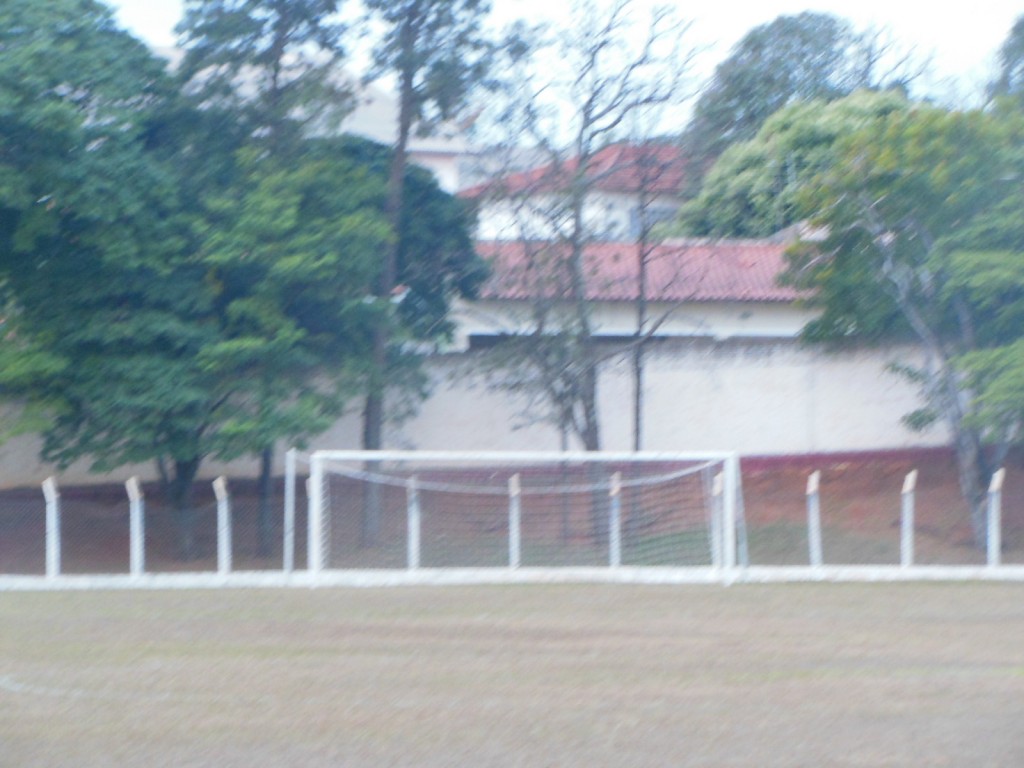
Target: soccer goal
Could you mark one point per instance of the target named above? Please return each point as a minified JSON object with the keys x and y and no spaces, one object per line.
{"x":415,"y":509}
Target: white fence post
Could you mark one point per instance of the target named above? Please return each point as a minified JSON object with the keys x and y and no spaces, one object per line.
{"x":288,"y":543}
{"x":136,"y":527}
{"x":414,"y":522}
{"x":730,"y":508}
{"x":742,"y":544}
{"x":907,"y":520}
{"x":814,"y":518}
{"x":220,"y":490}
{"x":717,"y":522}
{"x":52,"y":496}
{"x":314,"y":490}
{"x":995,"y":514}
{"x":615,"y":521}
{"x":514,"y":522}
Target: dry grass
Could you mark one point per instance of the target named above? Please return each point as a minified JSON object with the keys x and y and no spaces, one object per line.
{"x":795,"y":675}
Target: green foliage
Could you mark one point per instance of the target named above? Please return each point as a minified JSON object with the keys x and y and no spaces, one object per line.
{"x":1009,"y":84}
{"x":178,"y":282}
{"x":110,"y":351}
{"x":807,"y":57}
{"x":435,"y":253}
{"x":997,"y":377}
{"x":922,"y":240}
{"x":438,"y":51}
{"x":987,"y":265}
{"x":89,"y":230}
{"x":274,"y":64}
{"x":289,"y":253}
{"x":755,"y":188}
{"x":905,"y":192}
{"x":73,"y":88}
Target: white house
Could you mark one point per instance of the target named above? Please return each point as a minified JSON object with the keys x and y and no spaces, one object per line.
{"x":622,"y":182}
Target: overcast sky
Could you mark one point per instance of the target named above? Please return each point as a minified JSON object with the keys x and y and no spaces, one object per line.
{"x":962,"y":38}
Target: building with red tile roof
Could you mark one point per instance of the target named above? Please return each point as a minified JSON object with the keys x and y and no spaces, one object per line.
{"x":627,"y":168}
{"x":676,"y":271}
{"x":715,"y":289}
{"x":619,"y":182}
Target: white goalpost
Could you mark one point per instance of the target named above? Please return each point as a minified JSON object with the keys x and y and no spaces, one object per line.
{"x":413,"y":510}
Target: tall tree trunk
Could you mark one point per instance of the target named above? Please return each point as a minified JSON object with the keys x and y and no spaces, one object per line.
{"x":973,"y":470}
{"x":638,"y":395}
{"x":184,"y":506}
{"x":973,"y":474}
{"x":166,"y":482}
{"x":641,"y":327}
{"x":591,"y":417}
{"x":596,"y":474}
{"x":373,"y":411}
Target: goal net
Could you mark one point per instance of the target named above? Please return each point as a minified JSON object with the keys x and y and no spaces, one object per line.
{"x":446,"y":509}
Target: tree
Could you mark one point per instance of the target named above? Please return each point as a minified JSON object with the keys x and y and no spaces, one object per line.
{"x":106,"y":307}
{"x":435,"y":260}
{"x":922,"y":242}
{"x":605,"y":84}
{"x":1009,"y":84}
{"x":185,"y":283}
{"x":986,"y":261}
{"x":755,"y":187}
{"x":274,"y":65}
{"x":437,"y":52}
{"x":656,"y":168}
{"x":272,"y":68}
{"x":291,"y":252}
{"x":84,"y":210}
{"x":806,"y":57}
{"x":278,"y":63}
{"x":74,"y":90}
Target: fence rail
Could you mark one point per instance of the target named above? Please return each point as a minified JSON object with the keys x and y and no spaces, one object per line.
{"x":58,"y":541}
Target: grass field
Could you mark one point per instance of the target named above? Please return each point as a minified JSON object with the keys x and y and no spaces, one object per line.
{"x":792,"y":675}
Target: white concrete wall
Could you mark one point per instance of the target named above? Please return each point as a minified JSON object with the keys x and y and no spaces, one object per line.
{"x":772,"y":398}
{"x":755,"y":397}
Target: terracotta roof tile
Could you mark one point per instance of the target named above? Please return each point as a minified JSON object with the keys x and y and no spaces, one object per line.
{"x":725,"y":270}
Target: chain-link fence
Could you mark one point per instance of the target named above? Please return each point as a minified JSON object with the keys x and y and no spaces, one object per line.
{"x":853,"y":512}
{"x":877,"y":512}
{"x":133,"y":530}
{"x":22,"y":532}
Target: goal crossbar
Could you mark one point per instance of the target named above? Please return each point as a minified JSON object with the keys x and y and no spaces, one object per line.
{"x":523,"y":456}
